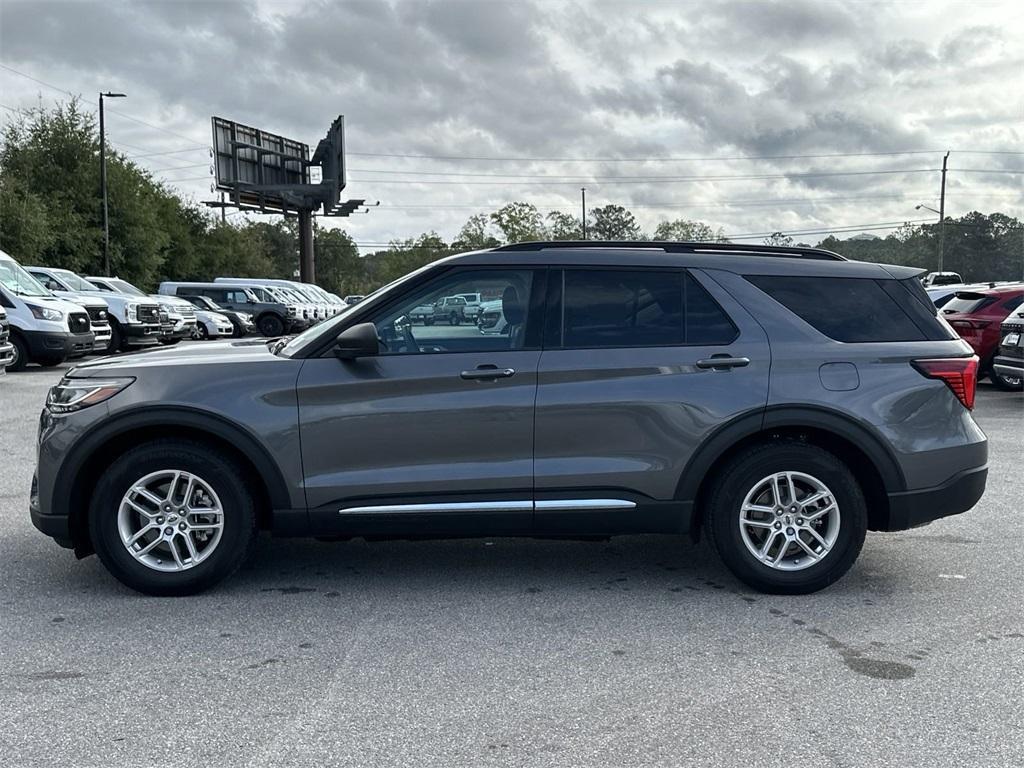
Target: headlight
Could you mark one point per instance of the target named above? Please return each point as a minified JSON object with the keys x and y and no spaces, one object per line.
{"x":102,"y":314}
{"x":44,"y":313}
{"x":75,"y":394}
{"x":132,"y":313}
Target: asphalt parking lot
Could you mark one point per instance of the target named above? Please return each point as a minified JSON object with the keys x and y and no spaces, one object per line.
{"x":641,"y":651}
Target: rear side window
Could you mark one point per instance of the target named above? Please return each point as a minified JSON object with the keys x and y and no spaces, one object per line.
{"x":844,"y":309}
{"x":641,"y":308}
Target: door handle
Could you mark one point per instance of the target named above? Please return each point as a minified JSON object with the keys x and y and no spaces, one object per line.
{"x":488,"y":372}
{"x":723,"y":362}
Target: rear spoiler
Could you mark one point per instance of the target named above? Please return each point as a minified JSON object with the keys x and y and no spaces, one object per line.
{"x":903,"y":273}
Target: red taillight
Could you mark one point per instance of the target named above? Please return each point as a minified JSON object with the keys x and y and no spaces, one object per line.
{"x":959,"y":373}
{"x":972,"y":324}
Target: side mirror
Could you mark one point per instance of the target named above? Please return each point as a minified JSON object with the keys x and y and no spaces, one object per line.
{"x":357,"y":341}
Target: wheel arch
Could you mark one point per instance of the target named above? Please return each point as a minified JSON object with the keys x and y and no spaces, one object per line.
{"x":98,"y":448}
{"x":856,"y":444}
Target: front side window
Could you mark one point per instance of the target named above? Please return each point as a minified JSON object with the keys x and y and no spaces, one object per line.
{"x":432,"y":319}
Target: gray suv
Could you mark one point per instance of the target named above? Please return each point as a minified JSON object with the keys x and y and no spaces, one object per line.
{"x":781,"y":400}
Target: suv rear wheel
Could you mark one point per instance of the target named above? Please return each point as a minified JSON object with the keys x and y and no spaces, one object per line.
{"x":172,"y":517}
{"x":271,"y":325}
{"x":787,"y":517}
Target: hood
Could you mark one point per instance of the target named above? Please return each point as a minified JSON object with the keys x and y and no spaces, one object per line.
{"x":163,"y":298}
{"x":82,"y":299}
{"x":54,"y":302}
{"x":207,"y":353}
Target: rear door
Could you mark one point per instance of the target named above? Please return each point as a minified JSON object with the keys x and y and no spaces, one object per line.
{"x":639,"y":367}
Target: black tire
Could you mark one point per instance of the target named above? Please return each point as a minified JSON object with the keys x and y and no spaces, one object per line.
{"x":743,"y":473}
{"x":20,"y":354}
{"x":50,"y":362}
{"x":428,"y":321}
{"x":117,"y":340}
{"x":1007,"y":384}
{"x":270,"y":325}
{"x":202,"y":332}
{"x":453,"y":319}
{"x":224,"y":476}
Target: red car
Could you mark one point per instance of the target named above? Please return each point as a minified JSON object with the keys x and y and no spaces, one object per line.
{"x":977,"y":314}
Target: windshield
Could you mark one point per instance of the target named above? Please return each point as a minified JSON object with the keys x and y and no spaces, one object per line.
{"x":73,"y":281}
{"x":18,"y":281}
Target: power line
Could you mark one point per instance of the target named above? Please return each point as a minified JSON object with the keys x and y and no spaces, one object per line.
{"x":655,"y":179}
{"x":195,"y":148}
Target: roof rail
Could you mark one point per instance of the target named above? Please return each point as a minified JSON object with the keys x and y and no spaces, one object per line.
{"x":680,"y":247}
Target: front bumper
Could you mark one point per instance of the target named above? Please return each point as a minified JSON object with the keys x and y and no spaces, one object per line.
{"x":1008,"y":366}
{"x":141,"y":334}
{"x":6,"y":356}
{"x":908,"y":509}
{"x":58,"y":344}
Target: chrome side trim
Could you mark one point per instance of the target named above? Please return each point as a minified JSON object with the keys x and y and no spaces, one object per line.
{"x":459,"y":506}
{"x":551,"y":505}
{"x":546,"y":505}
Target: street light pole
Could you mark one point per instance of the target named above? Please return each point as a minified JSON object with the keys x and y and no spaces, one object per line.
{"x":942,"y":212}
{"x":103,"y":182}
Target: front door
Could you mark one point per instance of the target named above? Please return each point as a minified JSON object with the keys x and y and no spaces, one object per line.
{"x":435,"y":434}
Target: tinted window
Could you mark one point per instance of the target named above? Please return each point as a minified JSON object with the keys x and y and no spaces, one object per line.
{"x":967,"y":301}
{"x":613,"y":308}
{"x":1012,"y":304}
{"x":844,"y":309}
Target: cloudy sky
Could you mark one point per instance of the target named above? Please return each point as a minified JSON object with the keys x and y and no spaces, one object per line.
{"x":754,"y":117}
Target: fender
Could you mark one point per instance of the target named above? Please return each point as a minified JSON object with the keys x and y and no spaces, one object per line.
{"x":857,"y":432}
{"x":177,"y":416}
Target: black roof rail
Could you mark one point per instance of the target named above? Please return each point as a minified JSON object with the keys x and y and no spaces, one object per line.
{"x":679,"y":247}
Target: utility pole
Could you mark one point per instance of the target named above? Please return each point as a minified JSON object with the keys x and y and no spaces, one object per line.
{"x":583,"y":210}
{"x":942,"y":212}
{"x":103,"y":183}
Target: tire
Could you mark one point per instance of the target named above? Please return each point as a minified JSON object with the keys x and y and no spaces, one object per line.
{"x":271,"y":326}
{"x":1007,"y":383}
{"x":227,"y":550}
{"x":453,"y":319}
{"x":203,"y":333}
{"x":117,"y":340}
{"x":428,"y":321}
{"x":20,"y":359}
{"x":795,"y":574}
{"x":50,"y":362}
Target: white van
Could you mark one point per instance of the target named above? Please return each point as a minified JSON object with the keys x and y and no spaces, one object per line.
{"x":43,"y":328}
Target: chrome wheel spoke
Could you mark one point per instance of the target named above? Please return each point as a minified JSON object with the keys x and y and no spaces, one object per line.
{"x":190,"y":545}
{"x":821,"y":542}
{"x":150,"y":497}
{"x":807,"y":549}
{"x":823,"y":511}
{"x":758,"y":523}
{"x":142,"y":532}
{"x":174,"y":552}
{"x":769,"y":540}
{"x":149,"y":547}
{"x":142,"y":510}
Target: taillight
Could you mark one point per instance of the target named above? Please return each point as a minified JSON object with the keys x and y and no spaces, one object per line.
{"x":960,"y":374}
{"x":973,"y":324}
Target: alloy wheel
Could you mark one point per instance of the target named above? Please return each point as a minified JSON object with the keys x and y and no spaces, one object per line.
{"x":789,"y":521}
{"x":170,"y":520}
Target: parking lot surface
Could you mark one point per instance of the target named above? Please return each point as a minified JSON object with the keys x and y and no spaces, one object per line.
{"x":639,"y":651}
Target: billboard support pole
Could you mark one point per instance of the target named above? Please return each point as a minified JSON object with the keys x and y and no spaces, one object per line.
{"x":307,"y":270}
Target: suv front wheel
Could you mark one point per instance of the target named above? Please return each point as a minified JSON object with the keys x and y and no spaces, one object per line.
{"x":787,"y":517}
{"x":172,"y":517}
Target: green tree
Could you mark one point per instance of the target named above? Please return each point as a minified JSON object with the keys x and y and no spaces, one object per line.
{"x":684,"y":230}
{"x":475,"y":234}
{"x":519,"y":222}
{"x":613,"y":222}
{"x":564,"y":226}
{"x":779,"y":239}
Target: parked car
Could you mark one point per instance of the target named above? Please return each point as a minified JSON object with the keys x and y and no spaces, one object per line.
{"x":273,"y":317}
{"x":450,"y":309}
{"x":42,"y":328}
{"x":90,"y":301}
{"x":212,"y":325}
{"x":941,"y":278}
{"x":241,"y":322}
{"x":1008,"y":365}
{"x":133,"y":318}
{"x":318,"y":301}
{"x":784,"y":401}
{"x":977,"y":315}
{"x":6,"y":348}
{"x":423,"y":314}
{"x":178,"y":320}
{"x":474,"y":306}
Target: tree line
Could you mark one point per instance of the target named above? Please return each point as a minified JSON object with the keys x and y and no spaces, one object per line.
{"x":50,"y":215}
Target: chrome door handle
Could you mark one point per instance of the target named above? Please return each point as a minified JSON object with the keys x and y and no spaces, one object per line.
{"x":724,"y":362}
{"x":488,"y":372}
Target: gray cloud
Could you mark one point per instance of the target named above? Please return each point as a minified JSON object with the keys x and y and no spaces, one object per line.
{"x":558,"y":80}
